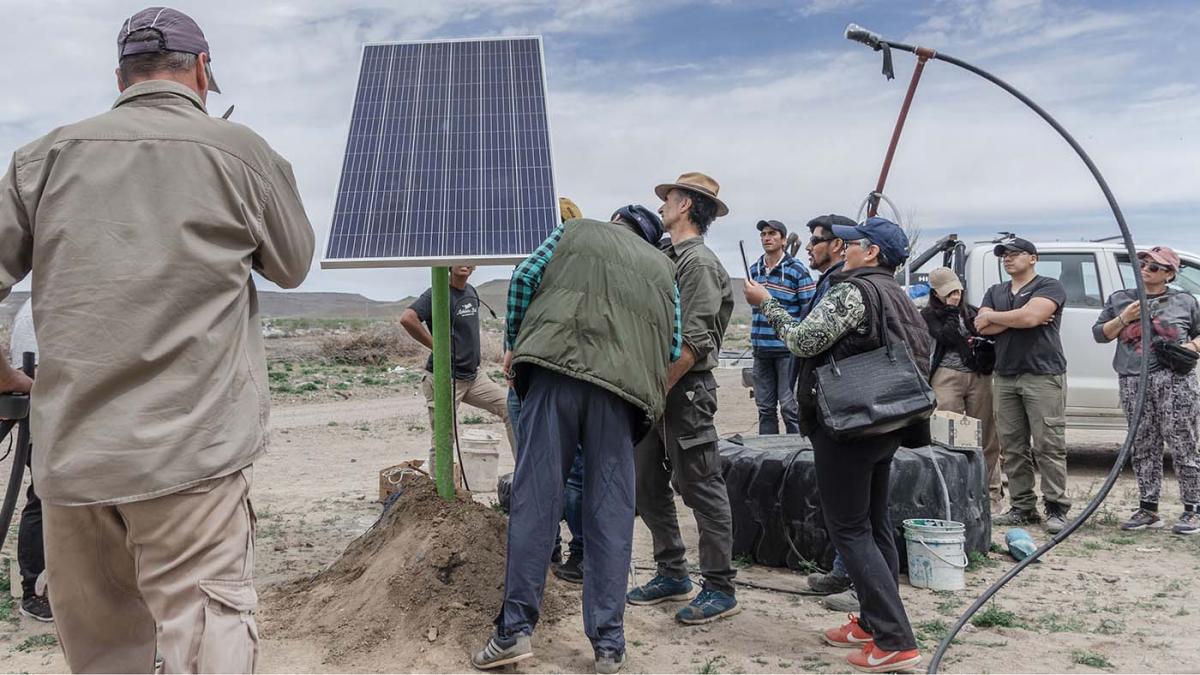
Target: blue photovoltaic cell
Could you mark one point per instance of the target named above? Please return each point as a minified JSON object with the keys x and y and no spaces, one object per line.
{"x":448,"y":155}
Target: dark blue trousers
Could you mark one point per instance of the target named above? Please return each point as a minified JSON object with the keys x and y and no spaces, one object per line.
{"x":558,"y":415}
{"x":573,"y":496}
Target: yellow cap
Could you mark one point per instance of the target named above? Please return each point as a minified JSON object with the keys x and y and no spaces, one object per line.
{"x":568,"y":210}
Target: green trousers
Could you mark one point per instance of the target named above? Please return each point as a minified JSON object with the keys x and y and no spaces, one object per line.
{"x":1033,"y":407}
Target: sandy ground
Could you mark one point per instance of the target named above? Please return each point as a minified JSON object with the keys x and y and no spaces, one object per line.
{"x":1121,"y":602}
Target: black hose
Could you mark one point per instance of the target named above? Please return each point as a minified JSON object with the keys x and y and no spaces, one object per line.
{"x":1143,"y":376}
{"x":20,"y":459}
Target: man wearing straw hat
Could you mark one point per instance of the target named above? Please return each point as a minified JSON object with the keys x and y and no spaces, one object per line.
{"x":686,"y":436}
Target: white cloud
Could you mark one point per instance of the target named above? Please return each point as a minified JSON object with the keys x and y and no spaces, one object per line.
{"x":788,"y":136}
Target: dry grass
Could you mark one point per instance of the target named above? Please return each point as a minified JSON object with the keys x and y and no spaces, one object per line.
{"x":379,"y":344}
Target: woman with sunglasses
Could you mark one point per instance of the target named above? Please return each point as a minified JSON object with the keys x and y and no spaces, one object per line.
{"x":1171,"y":416}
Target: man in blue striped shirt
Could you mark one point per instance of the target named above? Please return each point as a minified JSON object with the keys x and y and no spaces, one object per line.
{"x":790,"y":283}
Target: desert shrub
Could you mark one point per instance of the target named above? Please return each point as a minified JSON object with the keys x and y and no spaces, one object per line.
{"x":377,"y":344}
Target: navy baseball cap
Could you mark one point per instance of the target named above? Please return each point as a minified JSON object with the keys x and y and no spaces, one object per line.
{"x":1014,"y":244}
{"x":888,"y":236}
{"x":177,"y":32}
{"x":774,"y":225}
{"x":646,"y":220}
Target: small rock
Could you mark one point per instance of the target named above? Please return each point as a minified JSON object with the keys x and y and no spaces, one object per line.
{"x":1112,"y":580}
{"x":1150,"y":549}
{"x":352,"y":460}
{"x":431,"y":634}
{"x":280,"y":547}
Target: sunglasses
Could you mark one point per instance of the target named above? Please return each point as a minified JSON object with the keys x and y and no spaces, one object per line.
{"x":813,"y":241}
{"x":1155,"y":267}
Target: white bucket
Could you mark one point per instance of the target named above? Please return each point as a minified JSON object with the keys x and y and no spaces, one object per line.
{"x":936,"y":559}
{"x":480,"y":459}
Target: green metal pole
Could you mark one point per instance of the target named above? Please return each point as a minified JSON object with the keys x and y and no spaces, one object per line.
{"x":443,"y":402}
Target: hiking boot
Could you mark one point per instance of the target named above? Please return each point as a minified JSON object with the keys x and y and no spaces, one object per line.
{"x":1056,"y":519}
{"x":609,"y":661}
{"x":846,"y":601}
{"x":1142,"y":519}
{"x":828,"y":584}
{"x":660,"y":589}
{"x":1189,"y":523}
{"x":872,"y":659}
{"x":502,"y":651}
{"x":708,"y":606}
{"x":571,"y":571}
{"x":850,"y":635}
{"x":37,"y":607}
{"x":1016,"y":516}
{"x":556,"y":556}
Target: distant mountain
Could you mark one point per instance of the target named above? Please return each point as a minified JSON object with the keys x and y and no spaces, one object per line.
{"x":495,"y":293}
{"x":301,"y":305}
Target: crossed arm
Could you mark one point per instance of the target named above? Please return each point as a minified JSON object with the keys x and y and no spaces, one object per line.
{"x":1037,"y":312}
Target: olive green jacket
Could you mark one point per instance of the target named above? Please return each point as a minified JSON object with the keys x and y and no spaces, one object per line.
{"x":604,"y":312}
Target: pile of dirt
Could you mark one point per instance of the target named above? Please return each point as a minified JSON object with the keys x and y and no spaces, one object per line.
{"x":428,"y":575}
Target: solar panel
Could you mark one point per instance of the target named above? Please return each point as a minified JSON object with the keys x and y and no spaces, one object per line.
{"x":448,"y":158}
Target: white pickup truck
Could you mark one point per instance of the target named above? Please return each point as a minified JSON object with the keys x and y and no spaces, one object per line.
{"x":1090,"y":272}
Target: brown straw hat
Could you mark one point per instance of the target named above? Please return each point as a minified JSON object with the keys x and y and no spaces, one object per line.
{"x":698,"y":183}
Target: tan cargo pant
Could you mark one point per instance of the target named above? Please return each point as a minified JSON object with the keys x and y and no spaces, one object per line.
{"x":173,"y":573}
{"x":971,"y":394}
{"x":481,"y":393}
{"x":1033,"y":406}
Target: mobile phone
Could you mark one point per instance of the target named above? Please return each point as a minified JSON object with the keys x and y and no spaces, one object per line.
{"x":745,"y":265}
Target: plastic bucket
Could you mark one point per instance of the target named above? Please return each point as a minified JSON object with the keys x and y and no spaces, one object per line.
{"x":936,"y":558}
{"x":480,"y":459}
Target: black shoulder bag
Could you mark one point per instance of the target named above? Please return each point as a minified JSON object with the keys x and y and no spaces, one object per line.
{"x":873,"y":393}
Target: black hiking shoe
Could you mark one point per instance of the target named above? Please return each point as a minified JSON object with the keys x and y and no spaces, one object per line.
{"x":1016,"y":516}
{"x":556,"y":556}
{"x":37,"y":607}
{"x":571,"y":571}
{"x":828,"y":584}
{"x":1056,"y":519}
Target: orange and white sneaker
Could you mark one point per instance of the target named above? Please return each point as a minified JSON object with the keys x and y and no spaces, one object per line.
{"x":872,"y":659}
{"x":851,"y":635}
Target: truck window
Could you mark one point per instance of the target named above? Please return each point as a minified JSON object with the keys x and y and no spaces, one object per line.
{"x":1078,"y":274}
{"x":1188,"y":279}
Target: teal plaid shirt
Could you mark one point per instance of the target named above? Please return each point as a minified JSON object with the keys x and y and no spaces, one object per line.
{"x":527,"y":278}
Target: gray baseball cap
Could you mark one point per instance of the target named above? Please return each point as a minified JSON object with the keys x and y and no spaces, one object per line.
{"x":177,"y":32}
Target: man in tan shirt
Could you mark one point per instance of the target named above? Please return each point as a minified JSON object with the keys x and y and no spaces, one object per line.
{"x":141,"y":227}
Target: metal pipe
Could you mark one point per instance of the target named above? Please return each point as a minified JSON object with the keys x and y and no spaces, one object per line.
{"x":922,"y":56}
{"x":443,"y":396}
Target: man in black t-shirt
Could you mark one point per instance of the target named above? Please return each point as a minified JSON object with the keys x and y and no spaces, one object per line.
{"x":1029,"y":386}
{"x":470,"y":386}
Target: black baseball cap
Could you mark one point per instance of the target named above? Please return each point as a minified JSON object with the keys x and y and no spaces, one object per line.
{"x":774,"y":225}
{"x":1014,"y":244}
{"x":829,"y":221}
{"x":177,"y":32}
{"x":888,"y":236}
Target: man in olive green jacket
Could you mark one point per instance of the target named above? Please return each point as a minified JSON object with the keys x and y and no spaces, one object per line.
{"x":687,"y":438}
{"x":141,"y":227}
{"x":593,"y":326}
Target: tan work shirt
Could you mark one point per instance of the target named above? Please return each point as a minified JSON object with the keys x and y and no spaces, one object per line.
{"x":141,"y":226}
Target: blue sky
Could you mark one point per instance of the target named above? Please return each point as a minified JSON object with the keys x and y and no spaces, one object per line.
{"x":767,"y":97}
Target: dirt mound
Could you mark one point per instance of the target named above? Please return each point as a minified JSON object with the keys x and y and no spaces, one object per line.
{"x":428,"y":576}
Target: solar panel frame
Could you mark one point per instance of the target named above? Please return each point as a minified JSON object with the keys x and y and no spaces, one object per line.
{"x":328,"y":262}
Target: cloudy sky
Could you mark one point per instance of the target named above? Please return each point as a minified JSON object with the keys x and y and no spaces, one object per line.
{"x":767,"y":97}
